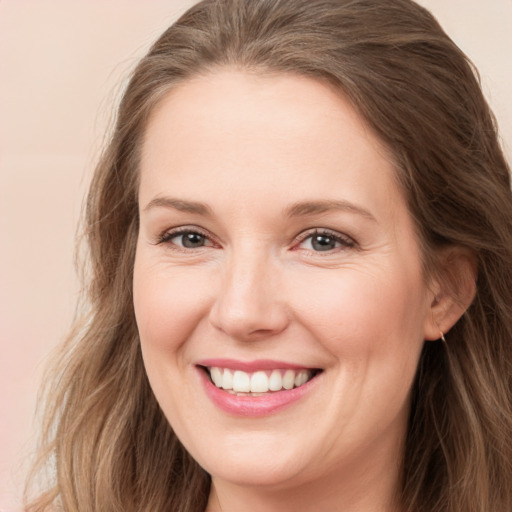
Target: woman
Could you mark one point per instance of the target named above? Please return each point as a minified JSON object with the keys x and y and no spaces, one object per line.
{"x":301,"y":274}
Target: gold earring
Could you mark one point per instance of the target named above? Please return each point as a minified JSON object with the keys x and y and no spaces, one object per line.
{"x":443,"y":339}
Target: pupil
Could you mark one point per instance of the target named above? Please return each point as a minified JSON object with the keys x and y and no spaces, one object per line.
{"x":191,"y":240}
{"x":322,"y":243}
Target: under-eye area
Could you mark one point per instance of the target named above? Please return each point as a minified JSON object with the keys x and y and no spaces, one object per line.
{"x":238,"y":382}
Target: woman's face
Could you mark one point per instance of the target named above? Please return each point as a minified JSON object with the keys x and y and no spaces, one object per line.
{"x":276,"y":251}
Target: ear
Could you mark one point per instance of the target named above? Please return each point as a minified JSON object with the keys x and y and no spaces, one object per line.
{"x":453,"y":289}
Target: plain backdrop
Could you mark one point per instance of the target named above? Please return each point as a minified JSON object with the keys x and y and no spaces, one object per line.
{"x":62,"y":64}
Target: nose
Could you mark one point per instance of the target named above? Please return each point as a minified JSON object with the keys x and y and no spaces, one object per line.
{"x":249,"y":304}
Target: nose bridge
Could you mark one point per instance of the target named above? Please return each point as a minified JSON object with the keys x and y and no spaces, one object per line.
{"x":249,"y":303}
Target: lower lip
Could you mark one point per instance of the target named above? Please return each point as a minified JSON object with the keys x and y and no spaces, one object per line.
{"x":250,"y":406}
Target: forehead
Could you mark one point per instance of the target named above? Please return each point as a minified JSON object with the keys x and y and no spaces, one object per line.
{"x":257,"y":104}
{"x":231,"y":132}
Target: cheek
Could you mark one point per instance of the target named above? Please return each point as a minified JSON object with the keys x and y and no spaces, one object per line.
{"x":169,"y":304}
{"x":358,"y":313}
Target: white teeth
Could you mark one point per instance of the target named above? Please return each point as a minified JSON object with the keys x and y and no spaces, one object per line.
{"x":275,"y":382}
{"x":227,"y":379}
{"x":301,"y":378}
{"x":216,"y":374}
{"x":259,"y":382}
{"x":241,"y":382}
{"x":289,"y":379}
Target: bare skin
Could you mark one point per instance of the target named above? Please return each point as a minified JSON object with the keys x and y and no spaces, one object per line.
{"x":272,"y":227}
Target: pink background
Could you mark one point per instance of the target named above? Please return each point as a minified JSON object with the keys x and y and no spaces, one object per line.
{"x":62,"y":63}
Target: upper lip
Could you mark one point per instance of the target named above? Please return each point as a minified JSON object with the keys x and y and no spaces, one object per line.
{"x":252,"y":366}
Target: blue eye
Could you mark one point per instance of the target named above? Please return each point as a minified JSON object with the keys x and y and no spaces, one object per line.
{"x":324,"y":241}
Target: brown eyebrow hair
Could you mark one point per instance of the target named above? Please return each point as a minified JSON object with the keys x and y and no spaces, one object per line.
{"x":180,"y":204}
{"x":298,"y":209}
{"x":315,"y":207}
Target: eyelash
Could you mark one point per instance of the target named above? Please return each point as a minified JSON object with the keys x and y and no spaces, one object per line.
{"x":344,"y":241}
{"x":167,"y":236}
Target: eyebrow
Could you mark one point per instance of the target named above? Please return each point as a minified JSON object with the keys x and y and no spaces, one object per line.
{"x":316,"y":207}
{"x":179,"y":204}
{"x":300,"y":209}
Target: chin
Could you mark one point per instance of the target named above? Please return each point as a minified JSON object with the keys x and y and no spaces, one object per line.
{"x":253,"y":463}
{"x":269,"y":474}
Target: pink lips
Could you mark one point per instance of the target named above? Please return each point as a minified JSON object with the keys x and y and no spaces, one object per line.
{"x":253,"y":366}
{"x":251,"y":406}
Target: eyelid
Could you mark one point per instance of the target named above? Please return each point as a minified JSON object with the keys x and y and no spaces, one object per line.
{"x":165,"y":236}
{"x":345,"y":240}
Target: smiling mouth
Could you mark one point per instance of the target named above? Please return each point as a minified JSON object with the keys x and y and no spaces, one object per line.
{"x":261,"y":382}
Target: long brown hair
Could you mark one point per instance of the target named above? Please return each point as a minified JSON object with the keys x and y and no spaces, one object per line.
{"x":105,"y":439}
